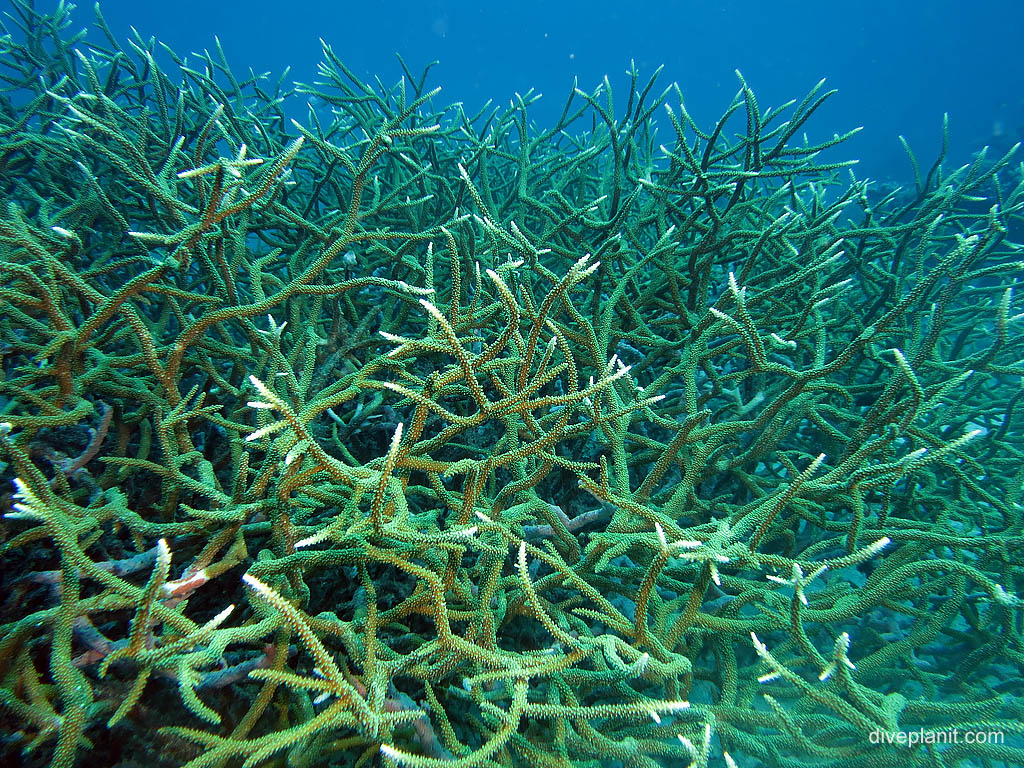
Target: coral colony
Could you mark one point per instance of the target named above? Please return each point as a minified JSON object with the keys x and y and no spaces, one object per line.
{"x":402,"y":435}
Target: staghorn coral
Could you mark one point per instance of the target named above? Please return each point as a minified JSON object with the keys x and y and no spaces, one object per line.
{"x":429,"y":438}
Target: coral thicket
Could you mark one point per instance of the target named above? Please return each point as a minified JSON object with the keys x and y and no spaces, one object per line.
{"x":399,"y":434}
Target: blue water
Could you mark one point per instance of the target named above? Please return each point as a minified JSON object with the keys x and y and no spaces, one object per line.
{"x":898,"y":65}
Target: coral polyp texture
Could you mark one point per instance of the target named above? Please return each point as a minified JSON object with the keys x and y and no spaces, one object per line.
{"x":399,"y":435}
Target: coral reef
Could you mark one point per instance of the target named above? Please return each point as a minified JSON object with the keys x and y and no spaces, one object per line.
{"x":401,"y":435}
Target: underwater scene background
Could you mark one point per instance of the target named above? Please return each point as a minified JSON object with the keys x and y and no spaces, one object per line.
{"x":383,"y":412}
